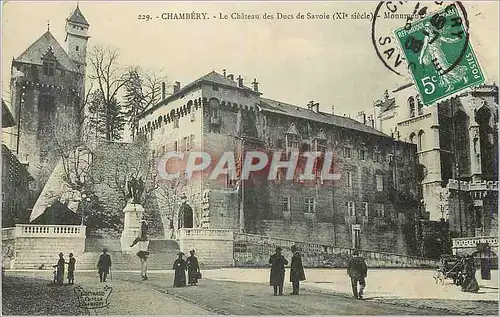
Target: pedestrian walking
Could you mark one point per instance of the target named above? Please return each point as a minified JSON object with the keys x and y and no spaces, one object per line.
{"x":193,"y":268}
{"x":104,"y":265}
{"x":277,"y":277}
{"x":71,"y":269}
{"x":180,"y":267}
{"x":296,"y":270}
{"x":60,"y":269}
{"x":357,"y":271}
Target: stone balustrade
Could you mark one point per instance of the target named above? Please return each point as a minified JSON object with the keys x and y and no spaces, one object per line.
{"x":49,"y":231}
{"x":470,"y":186}
{"x":315,"y":255}
{"x":8,"y":233}
{"x":473,"y":241}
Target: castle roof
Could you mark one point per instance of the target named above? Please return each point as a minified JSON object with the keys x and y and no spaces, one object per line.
{"x":211,"y":78}
{"x":35,"y":53}
{"x":282,"y":108}
{"x":7,"y":118}
{"x":77,"y":17}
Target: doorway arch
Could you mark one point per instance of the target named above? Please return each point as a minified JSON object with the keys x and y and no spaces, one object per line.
{"x":185,"y":217}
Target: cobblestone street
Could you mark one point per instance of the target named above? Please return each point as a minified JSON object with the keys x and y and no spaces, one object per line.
{"x":218,"y":294}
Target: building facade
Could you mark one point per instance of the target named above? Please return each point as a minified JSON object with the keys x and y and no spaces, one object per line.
{"x":374,"y":204}
{"x":47,"y":85}
{"x":457,"y":144}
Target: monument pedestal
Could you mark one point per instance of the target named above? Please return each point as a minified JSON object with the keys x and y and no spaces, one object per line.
{"x":131,"y":227}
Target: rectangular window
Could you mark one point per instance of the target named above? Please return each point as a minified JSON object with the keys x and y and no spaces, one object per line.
{"x":77,"y":48}
{"x":379,"y":182}
{"x":48,"y":68}
{"x":153,"y":153}
{"x":309,"y":205}
{"x":351,"y":209}
{"x":285,"y":204}
{"x":349,"y":179}
{"x":366,"y":209}
{"x":193,"y":116}
{"x":382,"y":211}
{"x":191,"y":141}
{"x":176,"y":146}
{"x":176,"y":123}
{"x":163,"y":150}
{"x":347,"y":152}
{"x":362,"y":155}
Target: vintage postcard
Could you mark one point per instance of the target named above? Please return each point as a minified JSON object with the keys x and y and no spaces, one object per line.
{"x":250,"y":158}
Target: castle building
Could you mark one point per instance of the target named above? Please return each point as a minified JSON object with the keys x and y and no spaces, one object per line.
{"x":457,"y":146}
{"x":374,"y":204}
{"x":47,"y":85}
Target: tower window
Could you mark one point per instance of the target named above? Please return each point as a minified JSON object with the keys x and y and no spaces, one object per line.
{"x":77,"y":48}
{"x":48,"y":68}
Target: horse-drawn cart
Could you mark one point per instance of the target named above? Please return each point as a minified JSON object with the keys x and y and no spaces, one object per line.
{"x":451,"y":266}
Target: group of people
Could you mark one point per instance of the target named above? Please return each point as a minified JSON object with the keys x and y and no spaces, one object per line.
{"x":190,"y":265}
{"x":356,"y":269}
{"x":59,"y":269}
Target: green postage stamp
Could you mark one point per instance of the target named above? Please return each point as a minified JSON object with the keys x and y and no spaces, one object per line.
{"x":439,"y":55}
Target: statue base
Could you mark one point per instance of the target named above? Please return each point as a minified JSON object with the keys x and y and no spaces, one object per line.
{"x":131,"y":227}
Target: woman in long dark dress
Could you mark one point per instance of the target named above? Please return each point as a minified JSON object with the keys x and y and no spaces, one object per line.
{"x":277,"y":278}
{"x":193,"y":268}
{"x":180,"y":267}
{"x":60,"y":269}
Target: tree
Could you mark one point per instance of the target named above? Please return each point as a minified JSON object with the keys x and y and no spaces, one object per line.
{"x":109,"y":80}
{"x":143,"y":90}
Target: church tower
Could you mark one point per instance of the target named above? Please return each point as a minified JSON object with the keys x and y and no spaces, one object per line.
{"x":77,"y":37}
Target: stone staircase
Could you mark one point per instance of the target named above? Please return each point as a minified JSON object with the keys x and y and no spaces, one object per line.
{"x":162,"y":255}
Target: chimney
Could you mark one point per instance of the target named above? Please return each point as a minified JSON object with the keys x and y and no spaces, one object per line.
{"x":255,"y":85}
{"x":333,"y":109}
{"x":224,"y":72}
{"x":361,"y":117}
{"x":230,"y":76}
{"x":240,"y":81}
{"x":317,"y":107}
{"x":163,"y":90}
{"x":177,"y":86}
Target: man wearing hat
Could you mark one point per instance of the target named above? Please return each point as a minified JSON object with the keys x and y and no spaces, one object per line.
{"x":104,"y":265}
{"x":296,"y":270}
{"x":60,"y":269}
{"x":357,"y":271}
{"x":193,"y":268}
{"x":277,"y":278}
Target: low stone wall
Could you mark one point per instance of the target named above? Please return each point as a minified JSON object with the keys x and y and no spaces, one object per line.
{"x":38,"y":246}
{"x":214,"y":247}
{"x":254,"y":251}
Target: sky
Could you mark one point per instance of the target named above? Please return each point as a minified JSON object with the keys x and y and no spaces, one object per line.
{"x":332,"y":62}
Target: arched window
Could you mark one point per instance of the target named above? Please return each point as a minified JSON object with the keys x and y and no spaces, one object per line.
{"x":420,"y":106}
{"x":421,"y":140}
{"x":413,"y":138}
{"x":411,"y":104}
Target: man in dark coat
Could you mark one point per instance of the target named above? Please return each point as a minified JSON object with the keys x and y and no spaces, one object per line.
{"x":193,"y":268}
{"x":60,"y":269}
{"x":357,"y":271}
{"x":296,"y":270}
{"x":104,"y":265}
{"x":71,"y":269}
{"x":277,"y":278}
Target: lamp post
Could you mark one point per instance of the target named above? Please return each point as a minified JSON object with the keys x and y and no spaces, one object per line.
{"x":86,"y":200}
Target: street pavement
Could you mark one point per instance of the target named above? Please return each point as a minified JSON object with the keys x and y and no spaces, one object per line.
{"x":247,"y":292}
{"x":381,"y":283}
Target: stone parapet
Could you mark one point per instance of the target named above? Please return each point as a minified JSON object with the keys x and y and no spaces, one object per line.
{"x":473,"y":241}
{"x":214,"y":247}
{"x":472,"y":186}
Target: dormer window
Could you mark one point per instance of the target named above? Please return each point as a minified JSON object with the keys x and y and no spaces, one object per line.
{"x":49,"y":68}
{"x":77,"y":48}
{"x":293,"y":141}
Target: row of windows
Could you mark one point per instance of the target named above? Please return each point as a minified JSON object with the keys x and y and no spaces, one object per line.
{"x":184,"y":144}
{"x":379,"y":180}
{"x":309,"y":206}
{"x":351,"y":209}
